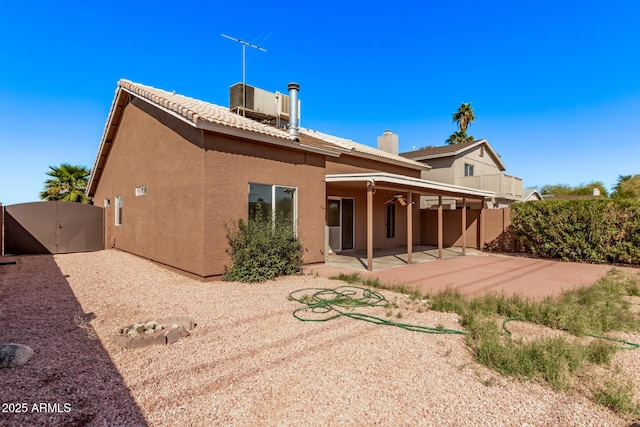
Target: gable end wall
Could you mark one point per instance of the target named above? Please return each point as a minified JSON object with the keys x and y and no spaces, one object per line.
{"x":157,"y":150}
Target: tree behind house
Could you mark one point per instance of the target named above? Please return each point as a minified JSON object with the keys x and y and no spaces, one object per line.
{"x":67,"y":183}
{"x":463,"y":118}
{"x":458,"y":138}
{"x":628,"y":187}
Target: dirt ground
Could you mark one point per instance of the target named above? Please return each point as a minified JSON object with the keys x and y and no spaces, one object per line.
{"x":249,"y":361}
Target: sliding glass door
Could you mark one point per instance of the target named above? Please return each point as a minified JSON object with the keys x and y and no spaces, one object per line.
{"x":340,"y":220}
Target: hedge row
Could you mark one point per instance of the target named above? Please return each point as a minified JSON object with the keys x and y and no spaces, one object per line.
{"x":595,"y":231}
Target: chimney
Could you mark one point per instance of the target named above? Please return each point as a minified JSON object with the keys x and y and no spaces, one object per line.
{"x":388,"y":142}
{"x":293,"y":108}
{"x":596,"y":192}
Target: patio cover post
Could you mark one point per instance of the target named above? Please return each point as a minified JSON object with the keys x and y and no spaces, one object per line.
{"x":409,"y":227}
{"x":370,"y":190}
{"x":464,"y":226}
{"x":481,"y":228}
{"x":440,"y":227}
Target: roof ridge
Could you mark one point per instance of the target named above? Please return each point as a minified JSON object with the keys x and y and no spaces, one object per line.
{"x":196,"y":111}
{"x":360,"y":147}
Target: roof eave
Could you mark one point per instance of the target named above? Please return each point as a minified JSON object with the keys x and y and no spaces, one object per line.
{"x":418,"y":166}
{"x":254,"y":136}
{"x":493,"y":154}
{"x":90,"y":190}
{"x":410,"y":181}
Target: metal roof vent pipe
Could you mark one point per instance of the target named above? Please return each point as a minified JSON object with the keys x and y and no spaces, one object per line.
{"x":293,"y":108}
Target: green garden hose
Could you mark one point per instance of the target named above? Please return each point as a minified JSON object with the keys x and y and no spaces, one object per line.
{"x":323,"y":304}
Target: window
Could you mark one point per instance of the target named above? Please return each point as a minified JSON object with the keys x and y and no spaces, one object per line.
{"x":468,"y":169}
{"x":482,"y":151}
{"x":391,"y":220}
{"x":273,"y":201}
{"x":141,"y":191}
{"x":107,"y":203}
{"x":118,"y":210}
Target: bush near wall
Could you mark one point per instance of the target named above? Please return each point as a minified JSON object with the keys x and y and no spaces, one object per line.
{"x":595,"y":231}
{"x":262,"y":249}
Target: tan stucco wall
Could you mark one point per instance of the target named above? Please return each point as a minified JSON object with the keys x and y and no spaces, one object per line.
{"x":196,"y":182}
{"x":482,"y":165}
{"x":352,"y":164}
{"x":450,"y":169}
{"x":165,"y":225}
{"x":441,"y":170}
{"x":231,"y":164}
{"x":380,"y":239}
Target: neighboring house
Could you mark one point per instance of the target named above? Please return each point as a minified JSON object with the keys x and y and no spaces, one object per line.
{"x":471,"y":164}
{"x":531,"y":194}
{"x":172,"y":172}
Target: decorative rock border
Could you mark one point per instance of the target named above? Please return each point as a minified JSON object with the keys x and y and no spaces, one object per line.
{"x":155,"y":332}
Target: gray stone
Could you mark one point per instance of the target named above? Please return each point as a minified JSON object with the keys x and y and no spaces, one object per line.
{"x":13,"y":355}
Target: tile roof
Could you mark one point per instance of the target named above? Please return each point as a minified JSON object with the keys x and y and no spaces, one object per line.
{"x":196,"y":111}
{"x":308,"y":136}
{"x":205,"y":115}
{"x":453,"y":150}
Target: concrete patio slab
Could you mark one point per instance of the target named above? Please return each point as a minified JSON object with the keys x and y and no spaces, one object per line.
{"x":472,"y":275}
{"x":385,"y":258}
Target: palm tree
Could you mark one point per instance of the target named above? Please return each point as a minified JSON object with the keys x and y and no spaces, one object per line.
{"x":464,"y":116}
{"x":67,"y":183}
{"x":458,"y":138}
{"x":628,"y":186}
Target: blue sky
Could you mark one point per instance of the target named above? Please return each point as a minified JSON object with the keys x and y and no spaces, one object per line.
{"x":555,"y":85}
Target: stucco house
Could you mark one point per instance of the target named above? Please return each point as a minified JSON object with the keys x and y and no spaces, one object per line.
{"x":472,"y":164}
{"x":172,"y":170}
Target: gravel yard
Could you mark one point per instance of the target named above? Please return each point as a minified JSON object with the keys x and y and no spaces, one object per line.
{"x":249,"y":361}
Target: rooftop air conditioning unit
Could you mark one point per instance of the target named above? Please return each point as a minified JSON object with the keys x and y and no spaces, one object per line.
{"x":282,"y":102}
{"x":260,"y":104}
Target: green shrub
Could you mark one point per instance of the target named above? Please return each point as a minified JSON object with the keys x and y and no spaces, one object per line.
{"x":596,"y":231}
{"x":262,"y":248}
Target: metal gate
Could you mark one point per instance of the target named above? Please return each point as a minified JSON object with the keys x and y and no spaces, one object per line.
{"x":52,"y":228}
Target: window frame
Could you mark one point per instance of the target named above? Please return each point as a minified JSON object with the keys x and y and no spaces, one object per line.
{"x":294,"y":207}
{"x":118,"y":211}
{"x":468,"y":169}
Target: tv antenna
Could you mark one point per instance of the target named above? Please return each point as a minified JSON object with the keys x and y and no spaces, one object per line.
{"x":244,"y":67}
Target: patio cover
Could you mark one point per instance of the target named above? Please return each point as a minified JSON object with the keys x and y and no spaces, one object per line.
{"x":411,"y":185}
